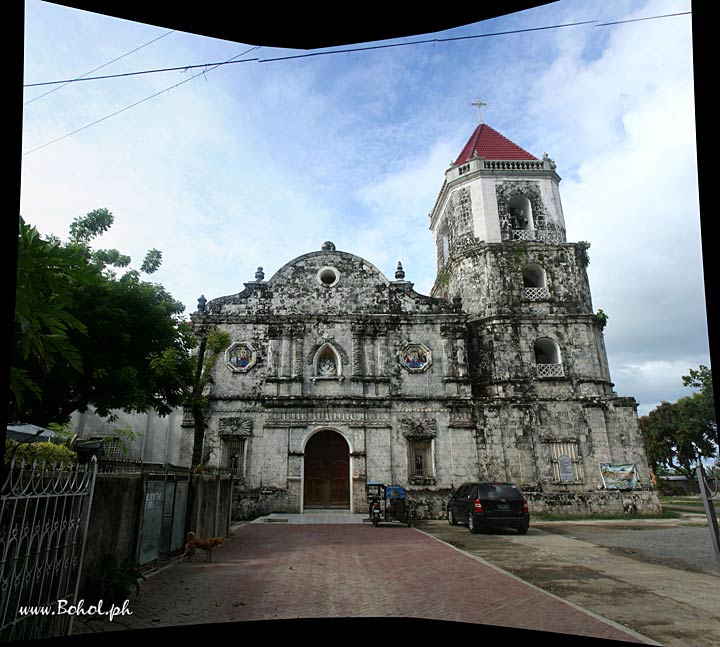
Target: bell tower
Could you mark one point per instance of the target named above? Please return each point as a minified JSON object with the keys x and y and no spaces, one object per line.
{"x":545,"y":412}
{"x":501,"y":249}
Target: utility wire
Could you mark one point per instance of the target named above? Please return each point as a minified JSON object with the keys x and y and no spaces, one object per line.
{"x":421,"y":42}
{"x":620,"y":22}
{"x":81,"y":77}
{"x":182,"y":68}
{"x":350,"y":50}
{"x":137,"y":103}
{"x":212,"y":66}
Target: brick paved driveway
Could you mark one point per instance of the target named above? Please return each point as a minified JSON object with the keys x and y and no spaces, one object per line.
{"x":279,"y":571}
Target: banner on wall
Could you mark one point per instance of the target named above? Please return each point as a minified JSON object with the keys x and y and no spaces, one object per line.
{"x":619,"y":477}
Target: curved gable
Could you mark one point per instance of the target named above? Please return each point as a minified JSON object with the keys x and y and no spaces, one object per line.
{"x":325,"y":282}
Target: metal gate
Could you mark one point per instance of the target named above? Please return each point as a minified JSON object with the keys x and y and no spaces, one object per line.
{"x":44,"y":514}
{"x":162,"y":536}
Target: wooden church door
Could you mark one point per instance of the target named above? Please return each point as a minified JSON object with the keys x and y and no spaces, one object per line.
{"x":327,"y":471}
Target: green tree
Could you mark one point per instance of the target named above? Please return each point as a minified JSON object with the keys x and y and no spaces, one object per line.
{"x":48,"y":277}
{"x":84,"y":336}
{"x":175,"y":368}
{"x":702,"y":380}
{"x":679,"y":435}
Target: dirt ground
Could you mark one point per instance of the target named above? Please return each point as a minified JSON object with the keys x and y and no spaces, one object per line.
{"x":671,"y":601}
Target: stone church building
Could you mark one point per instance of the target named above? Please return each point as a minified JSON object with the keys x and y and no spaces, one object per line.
{"x":338,"y":375}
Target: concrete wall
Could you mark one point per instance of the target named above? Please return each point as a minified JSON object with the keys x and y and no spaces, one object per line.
{"x":209,"y":507}
{"x":114,"y":526}
{"x":117,"y":517}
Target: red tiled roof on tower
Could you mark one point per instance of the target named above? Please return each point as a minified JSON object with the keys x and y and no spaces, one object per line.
{"x":491,"y":145}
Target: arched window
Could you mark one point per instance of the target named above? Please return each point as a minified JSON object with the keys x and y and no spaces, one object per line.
{"x":521,"y":218}
{"x":535,"y":282}
{"x":547,"y":358}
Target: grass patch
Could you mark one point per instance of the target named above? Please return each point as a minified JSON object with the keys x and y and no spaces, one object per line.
{"x":546,"y":516}
{"x":692,"y":503}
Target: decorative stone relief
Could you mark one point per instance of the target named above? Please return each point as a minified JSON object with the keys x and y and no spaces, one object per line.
{"x":419,"y":428}
{"x":234,"y":427}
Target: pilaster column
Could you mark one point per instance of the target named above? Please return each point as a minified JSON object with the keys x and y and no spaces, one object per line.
{"x":368,"y":347}
{"x":285,"y":353}
{"x":357,"y":350}
{"x":381,"y":348}
{"x":298,"y":337}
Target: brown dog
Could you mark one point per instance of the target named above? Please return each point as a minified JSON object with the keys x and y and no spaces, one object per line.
{"x":193,"y":543}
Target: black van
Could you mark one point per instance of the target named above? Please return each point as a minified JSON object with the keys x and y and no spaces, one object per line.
{"x":489,"y":505}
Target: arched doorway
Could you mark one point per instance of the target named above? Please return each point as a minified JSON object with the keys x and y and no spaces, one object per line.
{"x":327,"y":471}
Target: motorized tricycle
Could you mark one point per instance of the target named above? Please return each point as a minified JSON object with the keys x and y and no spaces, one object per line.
{"x":388,"y":504}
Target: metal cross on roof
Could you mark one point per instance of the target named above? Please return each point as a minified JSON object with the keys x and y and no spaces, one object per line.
{"x":478,"y":103}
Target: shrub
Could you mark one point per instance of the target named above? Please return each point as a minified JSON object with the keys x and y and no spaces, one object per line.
{"x":42,"y":452}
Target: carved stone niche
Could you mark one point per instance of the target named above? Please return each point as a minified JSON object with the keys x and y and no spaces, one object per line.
{"x":235,"y":427}
{"x":419,"y":434}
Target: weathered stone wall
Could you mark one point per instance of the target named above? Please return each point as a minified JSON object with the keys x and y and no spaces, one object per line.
{"x":432,"y":504}
{"x":330,"y":344}
{"x":605,"y":502}
{"x":489,"y":279}
{"x":492,"y":186}
{"x":504,"y":358}
{"x":516,"y":441}
{"x":251,"y":503}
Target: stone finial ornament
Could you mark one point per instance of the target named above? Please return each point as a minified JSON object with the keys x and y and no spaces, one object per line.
{"x":328,"y":246}
{"x":259,"y":275}
{"x":399,"y":273}
{"x":201,"y":303}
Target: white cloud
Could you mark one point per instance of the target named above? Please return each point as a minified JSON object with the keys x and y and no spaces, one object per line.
{"x":255,"y":164}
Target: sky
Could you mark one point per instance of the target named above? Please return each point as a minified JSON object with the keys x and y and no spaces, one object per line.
{"x":252,"y":164}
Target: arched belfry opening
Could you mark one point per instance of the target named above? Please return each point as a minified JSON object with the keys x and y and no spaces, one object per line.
{"x":548,"y":359}
{"x":534,"y":276}
{"x":327,"y":472}
{"x":521,"y":218}
{"x":535,"y":282}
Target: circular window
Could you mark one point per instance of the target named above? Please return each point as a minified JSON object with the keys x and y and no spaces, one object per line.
{"x":328,"y":276}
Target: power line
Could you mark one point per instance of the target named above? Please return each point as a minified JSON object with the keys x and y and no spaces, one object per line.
{"x":211,"y":66}
{"x":310,"y":54}
{"x":620,"y":22}
{"x":353,"y":49}
{"x":183,"y":68}
{"x":81,"y":77}
{"x":137,"y":103}
{"x":422,"y":42}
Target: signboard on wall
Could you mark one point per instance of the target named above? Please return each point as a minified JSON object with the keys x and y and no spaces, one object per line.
{"x":619,"y":477}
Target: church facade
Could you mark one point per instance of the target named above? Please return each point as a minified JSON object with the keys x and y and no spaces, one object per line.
{"x":337,"y":375}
